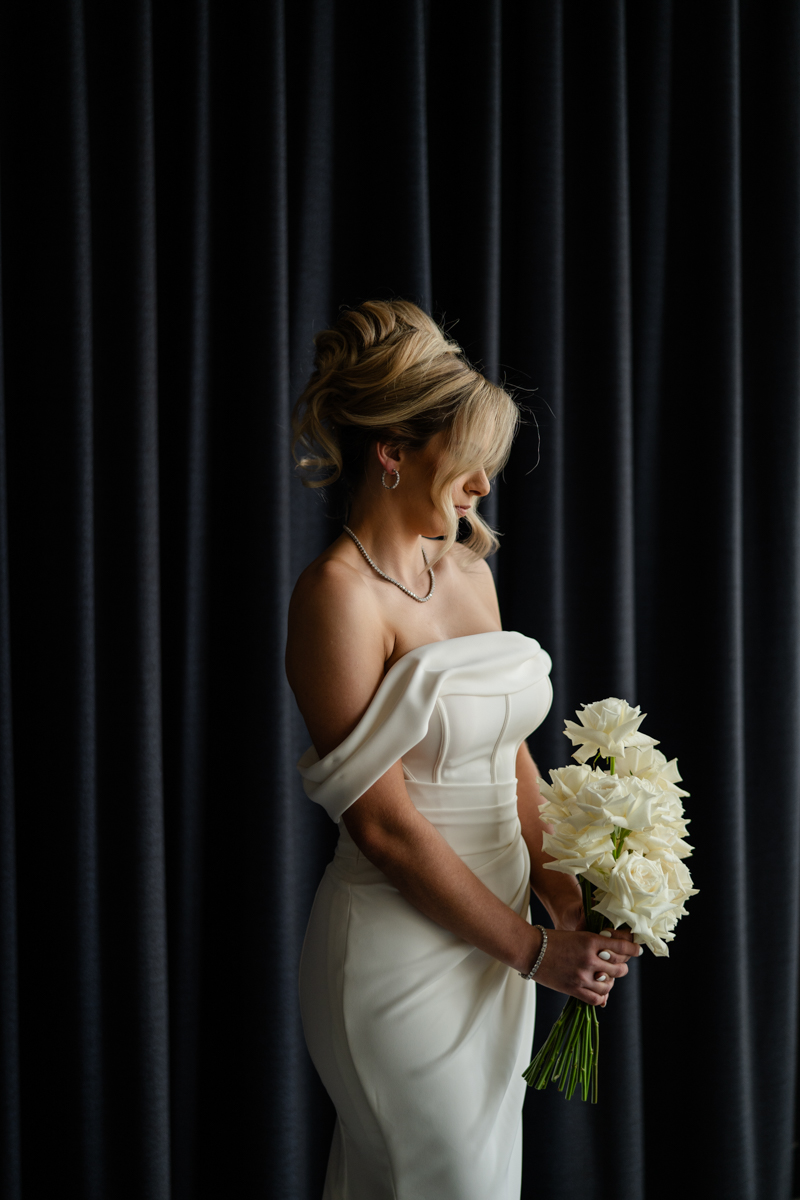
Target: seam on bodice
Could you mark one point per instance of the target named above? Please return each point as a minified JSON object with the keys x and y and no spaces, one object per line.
{"x":444,"y":744}
{"x":498,"y":743}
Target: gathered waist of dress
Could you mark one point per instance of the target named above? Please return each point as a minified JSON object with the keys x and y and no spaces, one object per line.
{"x":479,"y":820}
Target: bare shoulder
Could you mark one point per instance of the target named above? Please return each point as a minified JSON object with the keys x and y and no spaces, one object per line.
{"x":335,"y":649}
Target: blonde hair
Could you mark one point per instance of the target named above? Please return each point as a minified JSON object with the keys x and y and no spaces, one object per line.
{"x":387,"y":372}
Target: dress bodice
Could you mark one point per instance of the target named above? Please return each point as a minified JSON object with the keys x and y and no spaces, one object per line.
{"x":475,"y":738}
{"x":455,"y":712}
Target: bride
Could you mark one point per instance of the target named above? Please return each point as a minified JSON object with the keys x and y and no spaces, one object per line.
{"x":415,"y":979}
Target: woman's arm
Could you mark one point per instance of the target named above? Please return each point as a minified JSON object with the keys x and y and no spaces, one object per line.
{"x":560,"y":894}
{"x":334,"y":661}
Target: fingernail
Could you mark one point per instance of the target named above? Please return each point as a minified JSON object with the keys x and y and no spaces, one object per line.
{"x":605,"y":933}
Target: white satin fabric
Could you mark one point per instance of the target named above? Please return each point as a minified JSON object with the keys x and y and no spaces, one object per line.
{"x":419,"y":1038}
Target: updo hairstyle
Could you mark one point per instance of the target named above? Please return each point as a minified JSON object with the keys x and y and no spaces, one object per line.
{"x":387,"y":372}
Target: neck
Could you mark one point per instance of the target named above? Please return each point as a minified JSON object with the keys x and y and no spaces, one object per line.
{"x":389,"y":541}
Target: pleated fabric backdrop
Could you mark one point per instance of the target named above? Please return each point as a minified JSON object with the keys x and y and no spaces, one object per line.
{"x":606,"y":197}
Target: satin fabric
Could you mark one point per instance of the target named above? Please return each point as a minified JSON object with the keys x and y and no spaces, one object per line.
{"x":420,"y":1038}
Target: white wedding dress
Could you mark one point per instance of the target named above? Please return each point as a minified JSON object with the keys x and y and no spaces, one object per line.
{"x":419,"y":1038}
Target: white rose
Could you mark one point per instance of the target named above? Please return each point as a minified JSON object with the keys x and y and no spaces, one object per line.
{"x":630,"y":803}
{"x":598,"y":872}
{"x":636,"y":893}
{"x":659,"y":933}
{"x":658,"y":842}
{"x":565,"y":782}
{"x":679,"y":879}
{"x":670,"y":808}
{"x":607,"y":726}
{"x":670,"y":814}
{"x":661,"y":930}
{"x":648,"y":763}
{"x":667,"y":809}
{"x":575,"y":850}
{"x":559,"y":794}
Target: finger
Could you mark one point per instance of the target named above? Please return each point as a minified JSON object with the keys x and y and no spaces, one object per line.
{"x":612,"y":973}
{"x":620,"y":951}
{"x":622,"y":934}
{"x":605,"y":1000}
{"x":619,"y":947}
{"x":614,"y":970}
{"x":601,"y":987}
{"x":594,"y":998}
{"x":616,"y":960}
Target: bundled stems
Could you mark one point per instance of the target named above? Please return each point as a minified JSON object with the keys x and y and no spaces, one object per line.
{"x":571,"y":1053}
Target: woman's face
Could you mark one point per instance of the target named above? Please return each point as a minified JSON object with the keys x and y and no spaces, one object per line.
{"x":418,"y":470}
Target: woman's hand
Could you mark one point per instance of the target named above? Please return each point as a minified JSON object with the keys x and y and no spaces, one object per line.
{"x":572,"y":965}
{"x":567,"y":911}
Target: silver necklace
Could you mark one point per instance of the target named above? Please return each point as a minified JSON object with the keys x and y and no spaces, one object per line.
{"x":383,"y":575}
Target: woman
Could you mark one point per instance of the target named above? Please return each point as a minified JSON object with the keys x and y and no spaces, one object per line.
{"x":418,"y":705}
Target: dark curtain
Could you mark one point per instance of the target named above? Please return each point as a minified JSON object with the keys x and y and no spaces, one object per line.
{"x":604,"y":197}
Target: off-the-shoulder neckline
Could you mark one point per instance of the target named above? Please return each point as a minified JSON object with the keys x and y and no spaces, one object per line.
{"x":442,"y":641}
{"x":403,"y":657}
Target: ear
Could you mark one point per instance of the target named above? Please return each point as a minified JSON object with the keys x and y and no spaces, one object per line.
{"x":389,"y":455}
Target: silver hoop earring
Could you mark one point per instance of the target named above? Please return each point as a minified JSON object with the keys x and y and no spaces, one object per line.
{"x":390,"y":486}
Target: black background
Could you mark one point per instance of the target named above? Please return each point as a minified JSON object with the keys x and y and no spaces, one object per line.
{"x":604,"y":198}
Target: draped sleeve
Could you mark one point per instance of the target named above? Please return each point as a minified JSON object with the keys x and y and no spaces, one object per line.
{"x":397,"y":717}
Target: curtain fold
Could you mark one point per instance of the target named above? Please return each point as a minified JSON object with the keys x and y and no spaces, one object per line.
{"x":186,"y":770}
{"x":128,"y":593}
{"x":90,"y":1007}
{"x":601,"y":202}
{"x":10,"y":1149}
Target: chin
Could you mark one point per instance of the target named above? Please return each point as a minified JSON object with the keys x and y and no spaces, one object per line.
{"x":433,"y":530}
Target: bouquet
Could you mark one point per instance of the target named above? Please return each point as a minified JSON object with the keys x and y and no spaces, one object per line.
{"x":621,"y":832}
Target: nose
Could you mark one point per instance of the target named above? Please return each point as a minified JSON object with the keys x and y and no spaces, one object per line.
{"x":479,"y":483}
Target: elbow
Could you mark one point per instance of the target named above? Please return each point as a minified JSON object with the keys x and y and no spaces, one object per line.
{"x":376,"y":844}
{"x":383,"y":843}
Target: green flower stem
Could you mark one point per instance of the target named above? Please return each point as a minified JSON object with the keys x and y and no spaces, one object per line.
{"x":594,"y":920}
{"x":569,"y":1055}
{"x":572,"y":1040}
{"x":618,"y":839}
